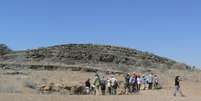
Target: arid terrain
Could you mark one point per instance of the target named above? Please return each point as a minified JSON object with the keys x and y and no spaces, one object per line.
{"x":14,"y":87}
{"x":51,"y":73}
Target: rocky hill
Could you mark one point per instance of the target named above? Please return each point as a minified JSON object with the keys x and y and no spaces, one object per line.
{"x":102,"y":56}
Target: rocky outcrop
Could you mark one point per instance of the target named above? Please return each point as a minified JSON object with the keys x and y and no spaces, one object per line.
{"x":88,"y":53}
{"x":62,"y":88}
{"x":71,"y":54}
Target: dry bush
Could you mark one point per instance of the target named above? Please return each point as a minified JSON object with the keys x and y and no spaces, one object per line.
{"x":8,"y":88}
{"x":30,"y":84}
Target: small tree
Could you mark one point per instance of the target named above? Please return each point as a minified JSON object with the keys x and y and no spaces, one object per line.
{"x":4,"y":49}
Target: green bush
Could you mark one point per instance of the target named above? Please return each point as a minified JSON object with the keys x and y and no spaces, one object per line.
{"x":4,"y":49}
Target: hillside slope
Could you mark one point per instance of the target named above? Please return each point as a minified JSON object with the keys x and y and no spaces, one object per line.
{"x":93,"y":55}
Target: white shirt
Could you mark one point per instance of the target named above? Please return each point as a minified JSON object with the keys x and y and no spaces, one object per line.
{"x":113,"y":80}
{"x":108,"y":83}
{"x":139,"y":80}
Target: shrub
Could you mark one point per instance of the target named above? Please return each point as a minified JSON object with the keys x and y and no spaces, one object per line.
{"x":30,"y":84}
{"x":4,"y":49}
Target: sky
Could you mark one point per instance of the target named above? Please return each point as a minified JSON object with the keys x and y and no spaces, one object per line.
{"x":169,"y":28}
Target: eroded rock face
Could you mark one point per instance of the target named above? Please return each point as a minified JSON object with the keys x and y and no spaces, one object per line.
{"x":88,"y":53}
{"x":91,"y":55}
{"x":107,"y":58}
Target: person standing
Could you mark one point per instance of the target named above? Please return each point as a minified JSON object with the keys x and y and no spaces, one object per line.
{"x":131,"y":83}
{"x":177,"y":86}
{"x":114,"y":84}
{"x":109,"y":86}
{"x":103,"y":85}
{"x":144,"y":82}
{"x":88,"y":86}
{"x":139,"y":81}
{"x":156,"y":82}
{"x":126,"y":84}
{"x":97,"y":84}
{"x":150,"y":81}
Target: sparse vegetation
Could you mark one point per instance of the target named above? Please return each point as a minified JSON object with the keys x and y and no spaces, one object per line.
{"x":30,"y":84}
{"x":4,"y":49}
{"x":88,"y":54}
{"x":62,"y":70}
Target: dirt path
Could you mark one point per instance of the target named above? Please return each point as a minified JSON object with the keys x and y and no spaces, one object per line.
{"x":27,"y":97}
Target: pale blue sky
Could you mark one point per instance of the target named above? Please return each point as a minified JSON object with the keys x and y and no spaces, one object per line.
{"x":170,"y":28}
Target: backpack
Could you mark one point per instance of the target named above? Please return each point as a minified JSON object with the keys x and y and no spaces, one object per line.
{"x":115,"y":84}
{"x":103,"y":82}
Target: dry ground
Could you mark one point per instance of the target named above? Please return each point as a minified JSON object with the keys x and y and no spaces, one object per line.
{"x":12,"y":87}
{"x":140,"y":97}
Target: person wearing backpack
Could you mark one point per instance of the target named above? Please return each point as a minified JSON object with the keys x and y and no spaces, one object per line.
{"x":150,"y":81}
{"x":109,"y":86}
{"x":126,"y":84}
{"x":97,"y":84}
{"x":103,"y":86}
{"x":114,"y":85}
{"x":132,"y":83}
{"x":177,"y":86}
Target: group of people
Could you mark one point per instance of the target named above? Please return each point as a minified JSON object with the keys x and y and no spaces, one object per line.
{"x":133,"y":83}
{"x":102,"y":86}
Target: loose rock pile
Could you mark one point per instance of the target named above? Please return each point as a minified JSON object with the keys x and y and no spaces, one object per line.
{"x":61,"y":88}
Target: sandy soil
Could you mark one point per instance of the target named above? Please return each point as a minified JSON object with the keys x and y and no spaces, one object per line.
{"x":191,"y":89}
{"x":140,"y":97}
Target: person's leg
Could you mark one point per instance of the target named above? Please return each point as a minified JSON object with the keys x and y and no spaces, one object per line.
{"x":115,"y":91}
{"x":157,"y":85}
{"x":87,"y":90}
{"x":102,"y":92}
{"x":136,"y":87}
{"x":96,"y":93}
{"x":97,"y":90}
{"x":180,"y":92}
{"x":133,"y":88}
{"x":145,"y":85}
{"x":154,"y":85}
{"x":110,"y":90}
{"x":130,"y":88}
{"x":151,"y":85}
{"x":176,"y":90}
{"x":139,"y":87}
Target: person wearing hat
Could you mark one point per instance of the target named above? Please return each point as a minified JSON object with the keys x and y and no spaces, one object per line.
{"x":114,"y":85}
